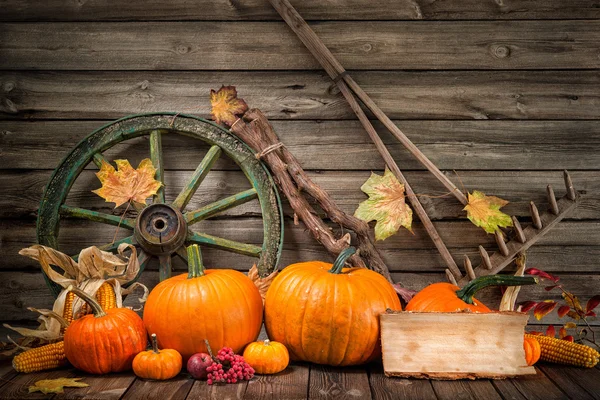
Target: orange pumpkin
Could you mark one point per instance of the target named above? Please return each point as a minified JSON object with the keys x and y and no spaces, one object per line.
{"x":533,"y":350}
{"x":105,"y":341}
{"x":328,"y":314}
{"x":446,"y":297}
{"x":221,"y":305}
{"x":157,"y":364}
{"x":267,"y":357}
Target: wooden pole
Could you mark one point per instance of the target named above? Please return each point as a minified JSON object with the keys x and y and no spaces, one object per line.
{"x":337,"y":72}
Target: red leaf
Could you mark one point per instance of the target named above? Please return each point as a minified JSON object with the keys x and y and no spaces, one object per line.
{"x":528,"y":305}
{"x":563,"y":310}
{"x":592,"y":303}
{"x":551,"y":331}
{"x":590,"y":314}
{"x":549,"y":288}
{"x":541,"y":274}
{"x":569,"y":338}
{"x":562,"y":332}
{"x":544,"y":308}
{"x":404,"y":293}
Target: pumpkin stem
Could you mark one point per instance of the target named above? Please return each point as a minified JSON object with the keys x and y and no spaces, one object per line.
{"x":96,"y":307}
{"x":154,"y":343}
{"x":341,"y":260}
{"x":267,"y":342}
{"x":466,"y":293}
{"x":195,"y":267}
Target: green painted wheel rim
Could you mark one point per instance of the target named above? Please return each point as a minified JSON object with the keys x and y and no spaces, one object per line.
{"x":156,"y":125}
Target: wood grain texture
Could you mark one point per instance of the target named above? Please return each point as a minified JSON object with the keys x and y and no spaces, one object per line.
{"x":573,"y":384}
{"x":519,"y":188}
{"x":173,"y":389}
{"x":18,"y":386}
{"x":63,"y":10}
{"x":459,"y":145}
{"x":201,"y":390}
{"x":338,"y":383}
{"x":534,"y":95}
{"x":266,"y":45}
{"x":384,"y":388}
{"x":535,"y":387}
{"x":290,"y":384}
{"x":465,"y":390}
{"x":100,"y":387}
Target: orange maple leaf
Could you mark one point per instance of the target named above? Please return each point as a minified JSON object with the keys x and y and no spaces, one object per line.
{"x":226,"y":107}
{"x":127,"y":184}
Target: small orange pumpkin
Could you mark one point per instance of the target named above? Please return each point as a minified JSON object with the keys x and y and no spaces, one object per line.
{"x":446,"y":297}
{"x":533,"y":350}
{"x":328,"y":314}
{"x":267,"y":357}
{"x":105,"y":341}
{"x":157,"y":364}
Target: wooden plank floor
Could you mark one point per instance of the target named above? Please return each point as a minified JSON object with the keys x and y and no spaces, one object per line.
{"x":305,"y":381}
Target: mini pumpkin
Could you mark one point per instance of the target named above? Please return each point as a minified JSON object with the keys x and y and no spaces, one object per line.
{"x":220,"y":305}
{"x":446,"y":297}
{"x":328,"y":314}
{"x":533,"y":350}
{"x":267,"y":357}
{"x":105,"y":341}
{"x":157,"y":364}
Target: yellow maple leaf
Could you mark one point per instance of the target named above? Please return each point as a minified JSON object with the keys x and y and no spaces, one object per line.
{"x":484,"y":211}
{"x":127,"y":184}
{"x":226,"y":107}
{"x":56,"y":385}
{"x":386,"y":205}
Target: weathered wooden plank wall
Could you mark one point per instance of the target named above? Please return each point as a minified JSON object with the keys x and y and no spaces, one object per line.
{"x":504,"y":93}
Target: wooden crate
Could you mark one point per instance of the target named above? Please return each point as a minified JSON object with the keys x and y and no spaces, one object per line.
{"x":454,"y":345}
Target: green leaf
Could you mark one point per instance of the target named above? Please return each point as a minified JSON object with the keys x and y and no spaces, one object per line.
{"x":386,"y":205}
{"x":484,"y":211}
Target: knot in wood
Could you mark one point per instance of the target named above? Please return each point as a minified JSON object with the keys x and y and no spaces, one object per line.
{"x":500,"y":51}
{"x":8,"y":86}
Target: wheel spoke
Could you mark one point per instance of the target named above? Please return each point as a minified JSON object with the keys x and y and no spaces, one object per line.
{"x":223,"y":244}
{"x":182,"y":253}
{"x":111,"y":247}
{"x":219,"y":206}
{"x":198,"y":176}
{"x":165,"y":267}
{"x":98,"y":158}
{"x":96,"y":216}
{"x":157,"y":161}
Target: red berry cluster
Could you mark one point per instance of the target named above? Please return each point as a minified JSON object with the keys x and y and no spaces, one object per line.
{"x":237,"y":368}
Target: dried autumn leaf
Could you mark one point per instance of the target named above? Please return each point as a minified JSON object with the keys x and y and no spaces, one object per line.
{"x":127,"y":184}
{"x":573,"y":302}
{"x":544,"y":308}
{"x":592,"y":303}
{"x":404,"y":293}
{"x":56,"y":385}
{"x":562,"y":332}
{"x":386,"y":205}
{"x":527,"y":305}
{"x":226,"y":107}
{"x":563,"y":310}
{"x":569,"y":338}
{"x":484,"y":211}
{"x":542,"y":274}
{"x":551,"y":331}
{"x":262,"y":284}
{"x":570,"y":325}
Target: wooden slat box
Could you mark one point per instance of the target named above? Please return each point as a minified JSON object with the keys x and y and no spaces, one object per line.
{"x":454,"y":345}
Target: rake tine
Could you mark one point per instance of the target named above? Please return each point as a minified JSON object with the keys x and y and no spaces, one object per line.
{"x":520,"y":234}
{"x":500,"y":242}
{"x":451,"y":277}
{"x":535,"y":216}
{"x":485,"y":258}
{"x":469,"y":268}
{"x":552,"y":200}
{"x":569,"y":185}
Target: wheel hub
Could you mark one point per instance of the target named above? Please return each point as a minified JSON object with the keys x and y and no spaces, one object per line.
{"x":160,"y":229}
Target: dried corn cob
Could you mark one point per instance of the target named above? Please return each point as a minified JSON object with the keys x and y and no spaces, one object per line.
{"x":565,"y":352}
{"x":52,"y":355}
{"x":41,"y":358}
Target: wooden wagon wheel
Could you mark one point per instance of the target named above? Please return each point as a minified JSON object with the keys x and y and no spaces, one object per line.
{"x":160,"y":229}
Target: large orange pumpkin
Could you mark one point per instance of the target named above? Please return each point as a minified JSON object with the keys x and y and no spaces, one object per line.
{"x":446,"y":297}
{"x":328,"y":314}
{"x":221,"y":305}
{"x":105,"y":341}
